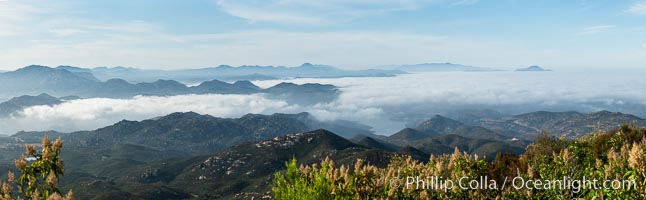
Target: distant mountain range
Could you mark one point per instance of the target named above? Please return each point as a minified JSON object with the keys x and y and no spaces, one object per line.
{"x":229,"y":73}
{"x":452,"y":67}
{"x":125,"y":81}
{"x":61,"y":82}
{"x":40,"y":79}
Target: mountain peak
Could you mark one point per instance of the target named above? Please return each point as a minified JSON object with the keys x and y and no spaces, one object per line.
{"x":18,"y":103}
{"x":32,"y":68}
{"x":320,"y":137}
{"x":408,"y":134}
{"x":117,"y":81}
{"x":439,"y":124}
{"x":73,"y":69}
{"x":440,"y":118}
{"x":184,"y":115}
{"x":316,"y":66}
{"x":285,"y":85}
{"x":213,"y":82}
{"x":246,"y":84}
{"x":605,"y":113}
{"x":167,"y":83}
{"x":45,"y":95}
{"x":40,"y":97}
{"x":533,"y":68}
{"x":224,"y":66}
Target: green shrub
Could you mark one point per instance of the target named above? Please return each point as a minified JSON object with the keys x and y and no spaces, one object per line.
{"x":615,"y":155}
{"x":40,"y":172}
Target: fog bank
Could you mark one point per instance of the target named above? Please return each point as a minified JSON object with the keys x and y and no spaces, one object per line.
{"x":386,"y":103}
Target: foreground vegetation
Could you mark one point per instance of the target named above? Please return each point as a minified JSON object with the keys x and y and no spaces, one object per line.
{"x":617,"y":157}
{"x":40,"y":172}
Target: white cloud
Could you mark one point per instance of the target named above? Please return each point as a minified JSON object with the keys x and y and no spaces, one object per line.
{"x":64,"y":32}
{"x":638,"y":8}
{"x":22,"y":17}
{"x":72,"y":27}
{"x":88,"y":114}
{"x":319,"y":12}
{"x":591,"y":30}
{"x":405,"y":97}
{"x":15,"y":10}
{"x":12,"y":13}
{"x":464,"y":2}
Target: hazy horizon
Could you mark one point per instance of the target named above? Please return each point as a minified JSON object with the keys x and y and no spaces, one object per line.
{"x":383,"y":66}
{"x":347,"y":34}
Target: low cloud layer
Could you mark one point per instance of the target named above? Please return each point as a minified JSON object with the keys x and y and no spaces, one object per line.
{"x":88,"y":114}
{"x":414,"y":97}
{"x":386,"y":103}
{"x":489,"y":88}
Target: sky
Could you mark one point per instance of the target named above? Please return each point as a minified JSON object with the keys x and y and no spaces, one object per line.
{"x":354,"y":34}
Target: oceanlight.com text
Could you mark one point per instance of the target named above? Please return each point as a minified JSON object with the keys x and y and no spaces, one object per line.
{"x":517,"y":183}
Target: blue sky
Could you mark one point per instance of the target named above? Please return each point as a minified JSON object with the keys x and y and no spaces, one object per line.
{"x":174,"y":34}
